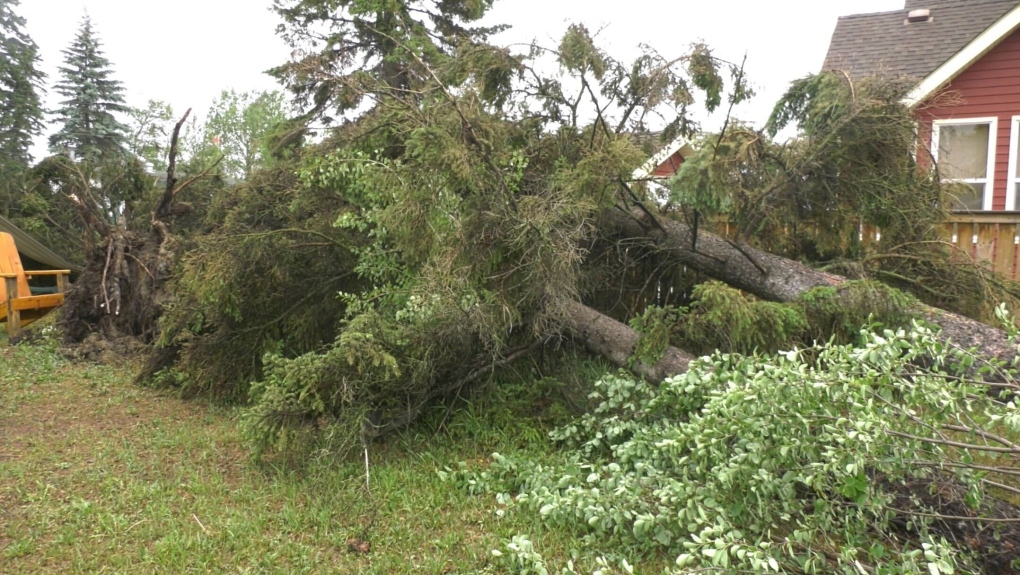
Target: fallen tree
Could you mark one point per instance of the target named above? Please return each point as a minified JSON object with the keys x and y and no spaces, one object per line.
{"x":451,"y":224}
{"x":780,"y":279}
{"x":451,"y":230}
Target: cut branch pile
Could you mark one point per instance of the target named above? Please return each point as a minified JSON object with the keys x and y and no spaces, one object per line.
{"x":992,"y":532}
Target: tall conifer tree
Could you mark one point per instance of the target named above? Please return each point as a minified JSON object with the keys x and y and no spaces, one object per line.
{"x":89,"y":127}
{"x":21,"y":115}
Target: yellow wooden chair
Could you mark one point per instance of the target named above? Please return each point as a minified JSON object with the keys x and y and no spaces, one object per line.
{"x":18,"y":307}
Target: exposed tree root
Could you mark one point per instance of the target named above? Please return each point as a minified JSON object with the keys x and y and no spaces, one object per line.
{"x":121,"y":293}
{"x":117,"y":296}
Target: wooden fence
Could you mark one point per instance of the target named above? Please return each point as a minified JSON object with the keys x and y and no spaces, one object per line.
{"x":992,"y":237}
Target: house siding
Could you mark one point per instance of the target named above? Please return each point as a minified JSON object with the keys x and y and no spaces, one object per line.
{"x":988,"y":88}
{"x":669,"y":167}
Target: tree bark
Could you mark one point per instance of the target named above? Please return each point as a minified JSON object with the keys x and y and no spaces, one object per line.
{"x":616,"y":342}
{"x":776,"y":278}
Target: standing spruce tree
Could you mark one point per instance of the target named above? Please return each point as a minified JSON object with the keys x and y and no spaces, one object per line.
{"x":20,"y":83}
{"x":89,"y":127}
{"x":21,"y":112}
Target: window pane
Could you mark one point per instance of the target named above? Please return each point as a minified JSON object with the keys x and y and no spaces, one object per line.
{"x":965,"y":196}
{"x":963,"y":151}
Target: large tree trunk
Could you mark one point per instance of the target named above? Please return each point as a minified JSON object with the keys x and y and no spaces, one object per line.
{"x":776,"y":278}
{"x":616,"y":342}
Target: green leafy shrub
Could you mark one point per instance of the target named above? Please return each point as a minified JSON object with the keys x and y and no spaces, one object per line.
{"x":792,"y":463}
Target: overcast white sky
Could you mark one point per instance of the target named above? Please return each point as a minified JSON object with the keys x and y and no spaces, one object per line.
{"x":185,"y":51}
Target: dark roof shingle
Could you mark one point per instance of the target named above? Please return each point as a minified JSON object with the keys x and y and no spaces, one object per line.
{"x":882,"y":44}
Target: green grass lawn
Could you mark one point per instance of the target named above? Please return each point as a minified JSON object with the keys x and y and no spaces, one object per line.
{"x":100,"y":476}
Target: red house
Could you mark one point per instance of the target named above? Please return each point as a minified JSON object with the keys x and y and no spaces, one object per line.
{"x":969,"y":49}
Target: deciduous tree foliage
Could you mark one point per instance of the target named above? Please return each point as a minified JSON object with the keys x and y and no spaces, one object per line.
{"x":149,"y":132}
{"x":239,"y":125}
{"x":801,"y":462}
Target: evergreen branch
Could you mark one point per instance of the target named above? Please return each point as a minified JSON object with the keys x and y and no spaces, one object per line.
{"x":373,"y":431}
{"x":650,"y":82}
{"x":473,"y":136}
{"x":196,"y":177}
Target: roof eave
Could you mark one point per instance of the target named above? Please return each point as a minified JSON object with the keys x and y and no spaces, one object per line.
{"x":963,"y":59}
{"x":664,"y":154}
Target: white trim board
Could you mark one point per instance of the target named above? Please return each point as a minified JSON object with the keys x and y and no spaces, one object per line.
{"x":962,"y":60}
{"x":1011,"y":175}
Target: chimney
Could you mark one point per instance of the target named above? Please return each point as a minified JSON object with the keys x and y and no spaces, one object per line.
{"x":917,"y":16}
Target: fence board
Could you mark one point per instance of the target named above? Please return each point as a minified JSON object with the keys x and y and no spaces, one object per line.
{"x":992,"y":237}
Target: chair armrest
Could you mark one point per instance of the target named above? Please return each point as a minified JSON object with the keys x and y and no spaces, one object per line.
{"x":63,"y":276}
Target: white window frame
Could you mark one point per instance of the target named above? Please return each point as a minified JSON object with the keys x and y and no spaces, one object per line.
{"x":993,"y":136}
{"x":1013,"y":178}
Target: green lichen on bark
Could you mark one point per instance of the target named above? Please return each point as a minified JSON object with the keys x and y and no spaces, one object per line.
{"x":840,"y":312}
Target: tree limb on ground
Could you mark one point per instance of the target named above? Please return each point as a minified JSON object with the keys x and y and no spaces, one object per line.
{"x":616,"y":342}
